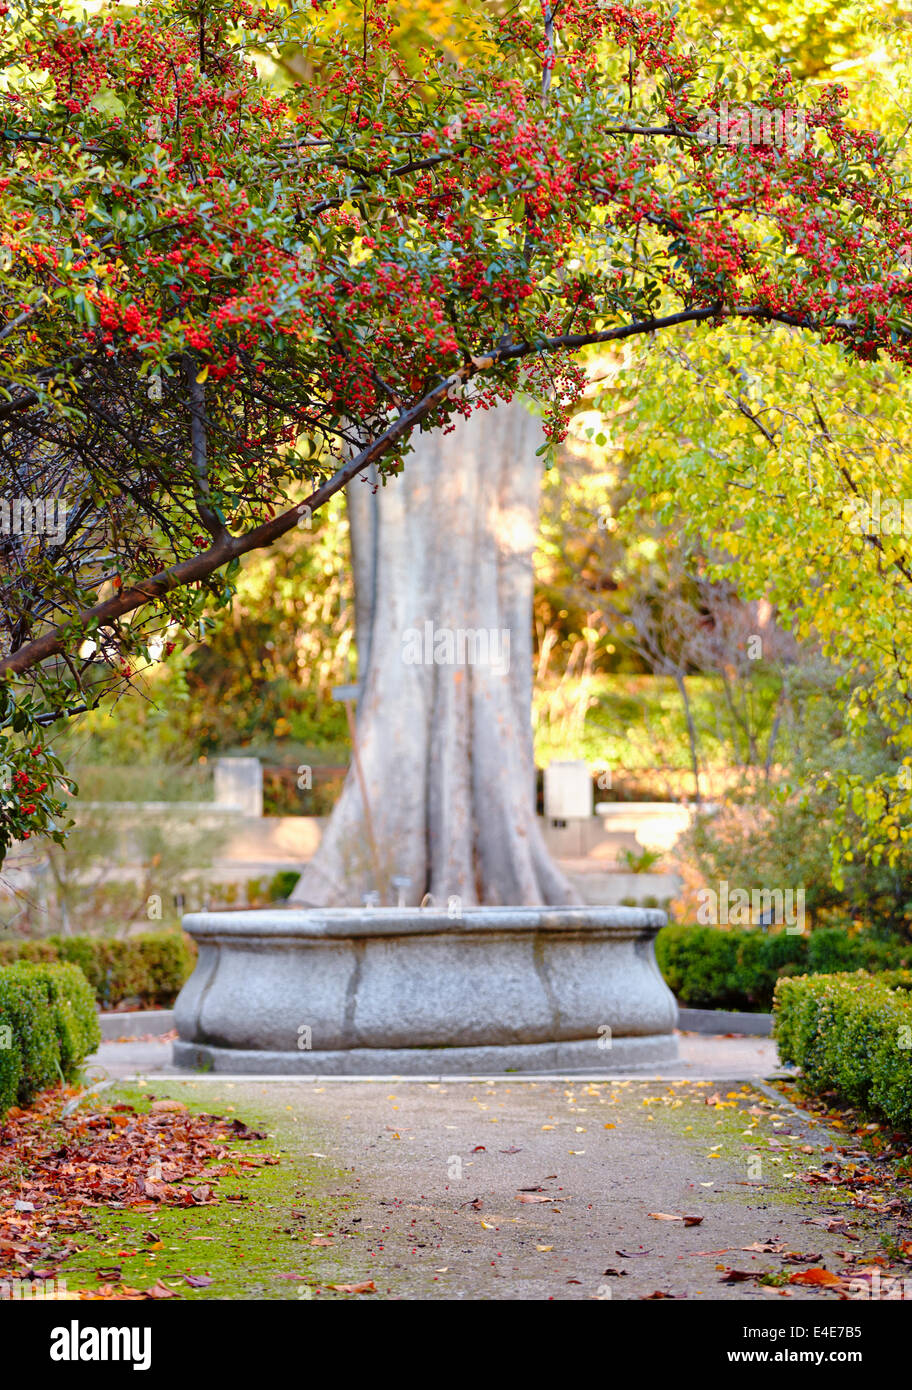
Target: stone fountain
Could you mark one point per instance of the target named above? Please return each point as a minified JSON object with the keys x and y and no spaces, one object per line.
{"x":418,"y":991}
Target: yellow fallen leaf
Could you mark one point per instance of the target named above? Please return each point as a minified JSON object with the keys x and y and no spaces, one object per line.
{"x":547,"y":1126}
{"x":543,"y":1248}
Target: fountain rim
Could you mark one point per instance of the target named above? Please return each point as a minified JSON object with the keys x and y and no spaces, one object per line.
{"x":341,"y":923}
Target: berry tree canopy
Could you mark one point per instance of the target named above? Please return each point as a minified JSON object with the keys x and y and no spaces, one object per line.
{"x":246,"y":250}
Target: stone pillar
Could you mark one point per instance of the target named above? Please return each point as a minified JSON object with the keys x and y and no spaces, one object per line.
{"x":239,"y":785}
{"x":568,"y":791}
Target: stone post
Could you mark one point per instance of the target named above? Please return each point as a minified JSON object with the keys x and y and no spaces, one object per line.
{"x":239,"y":785}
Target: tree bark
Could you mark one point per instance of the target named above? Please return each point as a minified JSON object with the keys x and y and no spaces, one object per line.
{"x":445,"y":744}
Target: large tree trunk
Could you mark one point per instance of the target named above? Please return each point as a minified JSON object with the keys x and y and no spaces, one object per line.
{"x":445,"y":746}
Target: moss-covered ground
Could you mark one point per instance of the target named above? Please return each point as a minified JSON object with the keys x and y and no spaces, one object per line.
{"x":254,"y":1242}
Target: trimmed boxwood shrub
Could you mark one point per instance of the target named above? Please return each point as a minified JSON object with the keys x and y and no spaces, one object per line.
{"x":28,"y":1040}
{"x":48,"y":1026}
{"x":711,"y":969}
{"x":851,"y":1034}
{"x":151,"y":966}
{"x":708,"y":968}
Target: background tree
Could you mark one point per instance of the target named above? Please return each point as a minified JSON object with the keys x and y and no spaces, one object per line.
{"x":779,"y":474}
{"x":445,"y":747}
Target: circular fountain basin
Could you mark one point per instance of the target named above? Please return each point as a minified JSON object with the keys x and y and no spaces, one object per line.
{"x":409,"y":991}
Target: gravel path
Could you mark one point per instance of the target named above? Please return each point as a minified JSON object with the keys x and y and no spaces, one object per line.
{"x":539,"y":1190}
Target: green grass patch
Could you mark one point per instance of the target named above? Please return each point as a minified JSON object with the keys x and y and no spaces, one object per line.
{"x":630,"y":722}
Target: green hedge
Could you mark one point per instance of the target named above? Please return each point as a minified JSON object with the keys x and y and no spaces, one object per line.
{"x":851,"y":1034}
{"x":48,"y":1026}
{"x":151,"y":966}
{"x":708,"y":968}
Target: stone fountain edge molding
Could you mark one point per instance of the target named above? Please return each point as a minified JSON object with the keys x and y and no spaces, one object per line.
{"x":409,"y":991}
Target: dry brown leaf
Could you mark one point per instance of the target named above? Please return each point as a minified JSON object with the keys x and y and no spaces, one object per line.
{"x":160,"y":1290}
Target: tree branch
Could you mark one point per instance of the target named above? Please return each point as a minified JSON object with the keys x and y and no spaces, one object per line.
{"x":197,"y":399}
{"x":227,"y":548}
